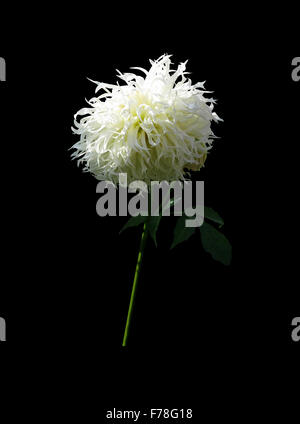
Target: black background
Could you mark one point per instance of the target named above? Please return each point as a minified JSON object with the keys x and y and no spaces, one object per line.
{"x":67,"y":273}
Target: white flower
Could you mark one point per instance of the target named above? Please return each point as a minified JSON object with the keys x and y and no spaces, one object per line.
{"x":152,"y":128}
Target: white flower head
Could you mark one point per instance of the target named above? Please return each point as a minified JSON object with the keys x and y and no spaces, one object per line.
{"x":155,"y":127}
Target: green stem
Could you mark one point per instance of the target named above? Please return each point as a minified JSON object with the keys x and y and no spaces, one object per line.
{"x":135,"y":281}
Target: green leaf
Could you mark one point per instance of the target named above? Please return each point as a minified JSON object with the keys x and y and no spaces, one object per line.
{"x":134,"y":221}
{"x":212,"y":215}
{"x":215,"y":243}
{"x":152,"y":224}
{"x":169,"y":204}
{"x":181,"y":232}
